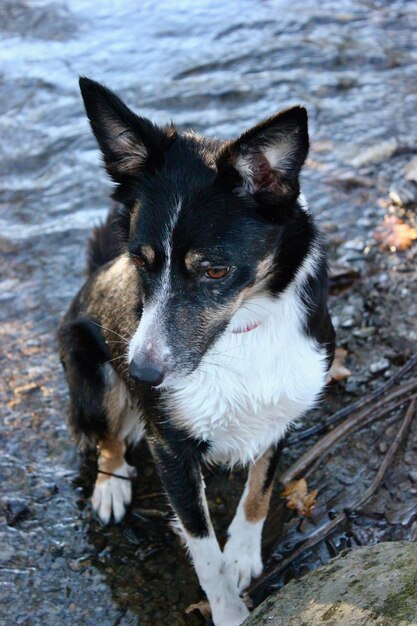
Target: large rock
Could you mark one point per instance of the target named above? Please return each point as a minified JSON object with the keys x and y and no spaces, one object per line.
{"x":368,"y":586}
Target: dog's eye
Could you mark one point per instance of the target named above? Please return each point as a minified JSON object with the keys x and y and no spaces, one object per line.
{"x":217,"y":272}
{"x":138,"y":261}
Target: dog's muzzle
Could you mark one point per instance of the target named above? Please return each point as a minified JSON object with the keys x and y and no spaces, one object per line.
{"x":144,"y":371}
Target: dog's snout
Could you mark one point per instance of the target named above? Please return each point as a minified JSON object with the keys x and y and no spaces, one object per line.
{"x":144,"y":371}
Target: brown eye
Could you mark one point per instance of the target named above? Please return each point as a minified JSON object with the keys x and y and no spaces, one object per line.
{"x":138,"y":261}
{"x":217,"y":272}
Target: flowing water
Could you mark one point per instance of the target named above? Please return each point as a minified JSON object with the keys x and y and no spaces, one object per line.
{"x":217,"y":67}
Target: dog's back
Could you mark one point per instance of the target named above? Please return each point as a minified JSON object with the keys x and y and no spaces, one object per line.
{"x":104,"y":243}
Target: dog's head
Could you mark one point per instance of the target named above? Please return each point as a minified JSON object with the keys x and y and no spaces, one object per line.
{"x":211,"y":225}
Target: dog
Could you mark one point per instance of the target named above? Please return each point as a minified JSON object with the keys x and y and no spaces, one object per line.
{"x":203,"y":325}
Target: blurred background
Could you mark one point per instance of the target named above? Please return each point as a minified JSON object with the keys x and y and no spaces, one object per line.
{"x":218,"y":67}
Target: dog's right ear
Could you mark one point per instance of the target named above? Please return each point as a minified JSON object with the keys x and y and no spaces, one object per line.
{"x":128,"y":142}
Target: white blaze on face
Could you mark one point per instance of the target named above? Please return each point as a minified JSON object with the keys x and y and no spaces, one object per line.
{"x":150,"y":336}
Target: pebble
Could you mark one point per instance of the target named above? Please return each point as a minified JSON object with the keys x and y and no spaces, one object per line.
{"x":16,"y":511}
{"x":410,"y":170}
{"x":364,"y":332}
{"x":404,"y":193}
{"x":412,"y":475}
{"x":381,"y":151}
{"x":355,"y":244}
{"x":379,"y":366}
{"x":6,"y":553}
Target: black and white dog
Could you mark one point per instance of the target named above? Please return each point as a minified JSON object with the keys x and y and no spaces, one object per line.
{"x":203,"y":325}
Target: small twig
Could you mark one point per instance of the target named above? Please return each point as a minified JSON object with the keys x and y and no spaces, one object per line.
{"x":411,"y":411}
{"x":151,"y":512}
{"x":319,"y":429}
{"x":352,"y":423}
{"x":328,"y":528}
{"x":153,"y":494}
{"x":99,"y":471}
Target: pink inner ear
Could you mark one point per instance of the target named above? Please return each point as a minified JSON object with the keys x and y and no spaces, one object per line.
{"x":264,"y":178}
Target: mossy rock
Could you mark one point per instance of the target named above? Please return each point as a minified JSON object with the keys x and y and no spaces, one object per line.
{"x":368,"y":586}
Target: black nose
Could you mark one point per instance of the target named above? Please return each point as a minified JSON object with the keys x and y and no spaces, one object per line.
{"x":150,"y":374}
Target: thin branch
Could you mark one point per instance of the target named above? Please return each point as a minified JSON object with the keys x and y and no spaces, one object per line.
{"x":351,"y":424}
{"x":328,"y":528}
{"x":319,"y":429}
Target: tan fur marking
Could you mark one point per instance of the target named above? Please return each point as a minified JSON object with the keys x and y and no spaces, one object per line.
{"x":111,"y":455}
{"x":149,"y":253}
{"x":134,"y":216}
{"x":264,"y":267}
{"x":192,"y":258}
{"x":257,"y":502}
{"x":115,"y":401}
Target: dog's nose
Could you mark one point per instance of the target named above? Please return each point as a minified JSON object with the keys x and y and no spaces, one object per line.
{"x":151,"y":374}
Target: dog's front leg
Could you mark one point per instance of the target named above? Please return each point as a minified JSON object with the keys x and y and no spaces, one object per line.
{"x":243,"y":549}
{"x":113,"y":490}
{"x":181,"y":476}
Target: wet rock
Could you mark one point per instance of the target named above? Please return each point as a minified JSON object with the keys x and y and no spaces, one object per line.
{"x":379,"y":366}
{"x":16,"y":511}
{"x":410,"y":170}
{"x":376,"y":153}
{"x":355,"y":244}
{"x":6,"y":553}
{"x":413,"y":476}
{"x":404,"y":193}
{"x":364,"y":332}
{"x":354,"y":589}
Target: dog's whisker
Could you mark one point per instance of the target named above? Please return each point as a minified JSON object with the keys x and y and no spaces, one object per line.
{"x":124,"y":341}
{"x":122,"y":356}
{"x":110,"y":331}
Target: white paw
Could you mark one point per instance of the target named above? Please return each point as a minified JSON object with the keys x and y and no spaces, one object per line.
{"x":230,"y":611}
{"x":242,"y":555}
{"x":113,"y":495}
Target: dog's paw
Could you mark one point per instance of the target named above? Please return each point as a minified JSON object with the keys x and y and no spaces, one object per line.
{"x":243,"y":560}
{"x":112,"y":495}
{"x":231,"y":612}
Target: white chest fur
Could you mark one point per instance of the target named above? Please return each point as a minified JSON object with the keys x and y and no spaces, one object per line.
{"x":251,"y":385}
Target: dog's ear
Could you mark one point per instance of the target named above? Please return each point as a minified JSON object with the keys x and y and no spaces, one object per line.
{"x":266,"y":160}
{"x":129,"y":143}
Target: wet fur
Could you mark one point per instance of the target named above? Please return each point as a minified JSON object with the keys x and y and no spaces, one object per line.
{"x":227,"y":395}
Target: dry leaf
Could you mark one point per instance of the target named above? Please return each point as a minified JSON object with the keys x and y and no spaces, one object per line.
{"x":338,"y":371}
{"x":395,"y":234}
{"x":298,"y":498}
{"x":203,"y":607}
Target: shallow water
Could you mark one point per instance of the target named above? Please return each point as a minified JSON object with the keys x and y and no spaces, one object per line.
{"x":218,"y":67}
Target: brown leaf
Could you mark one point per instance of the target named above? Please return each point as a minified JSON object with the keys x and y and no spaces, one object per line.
{"x":203,"y":606}
{"x":338,"y":371}
{"x":394,"y":234}
{"x":298,"y":498}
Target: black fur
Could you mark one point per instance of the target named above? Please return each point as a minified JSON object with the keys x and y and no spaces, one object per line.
{"x":105,"y":242}
{"x":272,"y":466}
{"x":178,"y":193}
{"x":83,"y":352}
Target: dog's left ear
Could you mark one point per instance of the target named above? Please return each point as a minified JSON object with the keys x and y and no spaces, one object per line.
{"x":266,"y":160}
{"x":129,"y":143}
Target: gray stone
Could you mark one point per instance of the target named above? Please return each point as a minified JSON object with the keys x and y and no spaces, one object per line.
{"x":369,"y":586}
{"x":379,"y":366}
